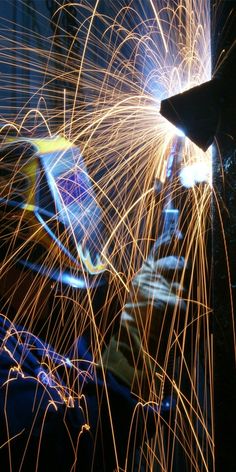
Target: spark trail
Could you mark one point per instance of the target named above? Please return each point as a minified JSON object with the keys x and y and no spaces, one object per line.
{"x":97,"y":76}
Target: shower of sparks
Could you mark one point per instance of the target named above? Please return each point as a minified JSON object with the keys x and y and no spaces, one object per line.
{"x":99,"y":83}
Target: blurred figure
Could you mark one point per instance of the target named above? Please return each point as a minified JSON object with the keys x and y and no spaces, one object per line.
{"x":55,"y":409}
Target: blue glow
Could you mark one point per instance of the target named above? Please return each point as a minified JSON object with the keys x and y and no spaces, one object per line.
{"x":53,"y":236}
{"x":171,"y":211}
{"x":44,"y":378}
{"x":63,"y":277}
{"x":171,"y":220}
{"x":180,"y":132}
{"x":68,"y":362}
{"x":74,"y":282}
{"x":72,"y":190}
{"x":73,"y":187}
{"x":168,"y":403}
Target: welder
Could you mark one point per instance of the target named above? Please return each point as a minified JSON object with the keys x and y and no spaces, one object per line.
{"x":44,"y":425}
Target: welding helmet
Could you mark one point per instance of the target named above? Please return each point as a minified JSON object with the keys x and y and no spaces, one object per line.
{"x":51,"y":221}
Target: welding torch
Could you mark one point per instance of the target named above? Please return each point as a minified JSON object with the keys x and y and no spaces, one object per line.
{"x":170,"y":210}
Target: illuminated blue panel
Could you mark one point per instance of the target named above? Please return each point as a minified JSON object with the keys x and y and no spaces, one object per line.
{"x":71,"y":187}
{"x":65,"y":191}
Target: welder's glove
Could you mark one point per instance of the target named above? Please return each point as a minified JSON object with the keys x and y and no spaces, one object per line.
{"x":155,"y":301}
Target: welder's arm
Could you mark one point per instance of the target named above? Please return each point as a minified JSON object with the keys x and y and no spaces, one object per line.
{"x":135,"y":354}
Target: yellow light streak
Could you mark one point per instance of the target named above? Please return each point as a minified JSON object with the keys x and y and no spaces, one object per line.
{"x":98,"y":86}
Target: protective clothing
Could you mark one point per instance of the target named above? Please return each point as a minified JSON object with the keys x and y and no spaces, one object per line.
{"x":156,"y":299}
{"x":55,"y":413}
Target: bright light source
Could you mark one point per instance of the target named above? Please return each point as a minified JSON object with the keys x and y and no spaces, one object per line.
{"x":175,"y":131}
{"x":179,"y":132}
{"x":196,"y":173}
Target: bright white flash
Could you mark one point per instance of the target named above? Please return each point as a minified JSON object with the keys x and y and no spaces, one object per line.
{"x":179,"y":132}
{"x":196,"y":173}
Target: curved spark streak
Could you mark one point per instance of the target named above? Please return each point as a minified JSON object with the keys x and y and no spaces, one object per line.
{"x":100,"y":83}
